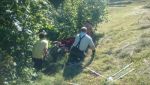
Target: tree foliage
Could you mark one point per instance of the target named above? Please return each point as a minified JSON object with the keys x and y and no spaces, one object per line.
{"x":70,"y":15}
{"x":20,"y":20}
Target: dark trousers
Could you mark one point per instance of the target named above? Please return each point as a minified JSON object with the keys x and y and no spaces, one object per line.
{"x":38,"y":63}
{"x":76,"y":58}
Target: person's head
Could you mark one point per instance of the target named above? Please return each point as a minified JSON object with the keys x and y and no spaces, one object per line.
{"x":88,"y":24}
{"x":83,"y":29}
{"x":42,"y":34}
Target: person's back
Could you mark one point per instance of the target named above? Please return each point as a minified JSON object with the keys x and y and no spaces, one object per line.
{"x":85,"y":42}
{"x":38,"y":50}
{"x":82,"y":42}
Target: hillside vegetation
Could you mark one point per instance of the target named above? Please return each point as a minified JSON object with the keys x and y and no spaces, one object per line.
{"x":20,"y":24}
{"x":125,"y":43}
{"x":126,"y":40}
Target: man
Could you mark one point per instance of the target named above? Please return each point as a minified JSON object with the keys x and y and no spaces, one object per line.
{"x":40,"y":51}
{"x":80,"y":45}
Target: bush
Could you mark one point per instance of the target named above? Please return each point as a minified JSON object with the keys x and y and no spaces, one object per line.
{"x":22,"y":19}
{"x":70,"y":16}
{"x":8,"y":68}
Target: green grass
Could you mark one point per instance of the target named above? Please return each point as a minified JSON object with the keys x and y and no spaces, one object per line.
{"x":121,"y":32}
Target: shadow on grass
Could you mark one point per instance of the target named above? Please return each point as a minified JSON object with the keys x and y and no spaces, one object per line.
{"x":119,"y":2}
{"x":143,"y":27}
{"x":70,"y":71}
{"x":53,"y":68}
{"x":54,"y":63}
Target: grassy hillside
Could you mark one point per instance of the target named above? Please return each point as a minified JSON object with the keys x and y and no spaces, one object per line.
{"x":126,"y":40}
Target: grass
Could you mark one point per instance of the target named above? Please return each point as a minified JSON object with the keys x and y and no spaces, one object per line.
{"x":121,"y":33}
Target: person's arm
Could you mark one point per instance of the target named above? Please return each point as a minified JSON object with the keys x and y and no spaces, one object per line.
{"x":46,"y":49}
{"x":92,"y":46}
{"x":75,"y":41}
{"x":33,"y":50}
{"x":45,"y":52}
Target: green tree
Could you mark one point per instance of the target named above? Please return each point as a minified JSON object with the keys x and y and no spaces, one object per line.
{"x":20,"y":20}
{"x":70,"y":15}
